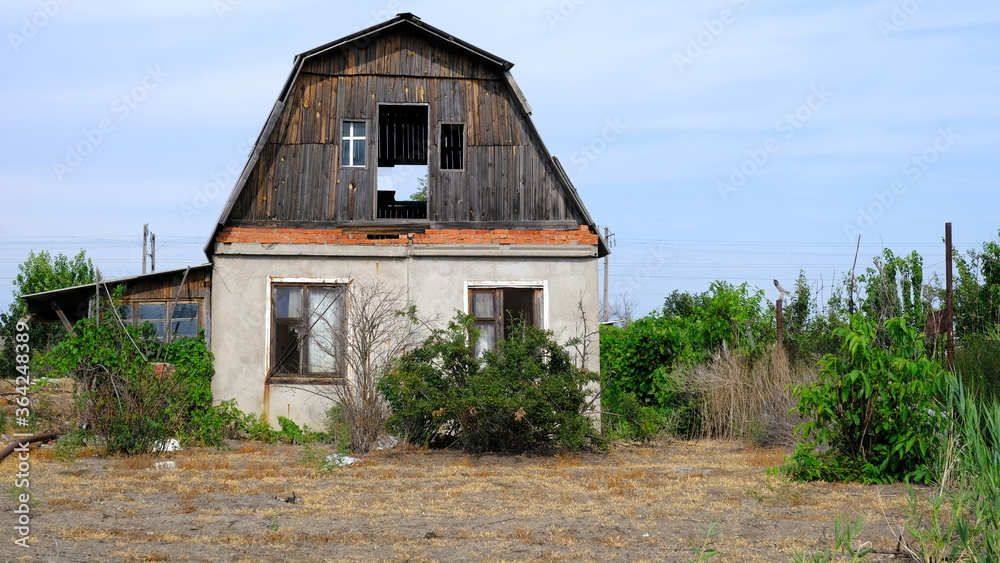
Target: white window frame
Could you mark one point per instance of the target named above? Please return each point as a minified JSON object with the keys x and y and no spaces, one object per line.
{"x":351,"y":138}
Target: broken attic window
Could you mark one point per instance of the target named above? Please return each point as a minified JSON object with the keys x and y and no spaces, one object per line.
{"x":402,"y":135}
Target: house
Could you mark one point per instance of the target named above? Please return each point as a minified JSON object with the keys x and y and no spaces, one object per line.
{"x":501,"y":234}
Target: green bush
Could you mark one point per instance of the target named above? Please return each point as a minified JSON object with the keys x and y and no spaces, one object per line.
{"x":132,"y":408}
{"x":524,"y":394}
{"x":644,"y":361}
{"x":878,"y":408}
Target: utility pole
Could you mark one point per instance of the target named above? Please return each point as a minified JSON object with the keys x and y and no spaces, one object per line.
{"x":152,"y":252}
{"x":604,"y":315}
{"x":949,"y":307}
{"x":145,"y":240}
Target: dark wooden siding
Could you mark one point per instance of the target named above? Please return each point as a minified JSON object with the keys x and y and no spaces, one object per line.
{"x":506,"y":176}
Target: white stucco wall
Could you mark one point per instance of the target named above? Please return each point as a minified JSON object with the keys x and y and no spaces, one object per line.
{"x":437,"y":278}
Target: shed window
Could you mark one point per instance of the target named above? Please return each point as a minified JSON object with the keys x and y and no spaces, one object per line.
{"x":352,"y":144}
{"x":452,"y":146}
{"x":182,"y":321}
{"x":308,"y":329}
{"x":498,"y":310}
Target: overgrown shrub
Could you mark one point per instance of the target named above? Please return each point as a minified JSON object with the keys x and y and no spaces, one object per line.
{"x":524,"y":394}
{"x":877,"y":408}
{"x":129,"y":405}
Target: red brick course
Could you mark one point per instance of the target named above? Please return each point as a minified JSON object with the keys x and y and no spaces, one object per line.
{"x":436,"y":236}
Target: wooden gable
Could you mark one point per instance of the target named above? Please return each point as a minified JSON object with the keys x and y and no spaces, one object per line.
{"x":507,"y":176}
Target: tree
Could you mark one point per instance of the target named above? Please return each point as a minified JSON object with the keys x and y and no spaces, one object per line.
{"x":40,"y":272}
{"x":380,"y":326}
{"x":421,"y":193}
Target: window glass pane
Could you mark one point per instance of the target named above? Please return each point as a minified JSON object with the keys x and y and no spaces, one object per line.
{"x":487,"y":338}
{"x":126,"y":312}
{"x":159,"y":328}
{"x":359,"y":128}
{"x":185,"y":311}
{"x":184,"y":328}
{"x":482,"y":304}
{"x":286,"y":347}
{"x":345,"y":153}
{"x":359,"y":153}
{"x":288,"y":302}
{"x":325,"y":321}
{"x":152,"y":311}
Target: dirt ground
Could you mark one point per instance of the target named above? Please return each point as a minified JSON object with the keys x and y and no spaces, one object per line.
{"x":634,"y":503}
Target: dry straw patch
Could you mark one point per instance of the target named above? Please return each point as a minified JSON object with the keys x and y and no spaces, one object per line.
{"x":641,"y":501}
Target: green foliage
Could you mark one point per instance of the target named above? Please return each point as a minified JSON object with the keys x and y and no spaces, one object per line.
{"x":978,"y":362}
{"x":702,"y":546}
{"x":293,"y":434}
{"x":977,"y":292}
{"x":338,"y":430}
{"x":845,"y":535}
{"x":421,"y":193}
{"x":69,"y":444}
{"x":894,"y":288}
{"x":129,"y":405}
{"x":959,"y":520}
{"x":639,"y":362}
{"x":524,"y":394}
{"x":40,"y":272}
{"x":876,"y":407}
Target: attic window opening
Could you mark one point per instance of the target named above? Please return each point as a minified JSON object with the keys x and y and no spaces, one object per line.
{"x":402,"y":161}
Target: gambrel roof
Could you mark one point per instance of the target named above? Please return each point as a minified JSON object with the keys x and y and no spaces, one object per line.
{"x":510,"y":179}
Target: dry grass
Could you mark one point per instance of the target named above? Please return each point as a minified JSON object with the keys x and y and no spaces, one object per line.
{"x":633,"y":503}
{"x":749,"y":402}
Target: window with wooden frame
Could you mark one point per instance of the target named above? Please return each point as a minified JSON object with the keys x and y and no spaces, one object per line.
{"x":353,"y":144}
{"x":307,"y":330}
{"x":497,"y":310}
{"x":452,"y":146}
{"x":181,"y":319}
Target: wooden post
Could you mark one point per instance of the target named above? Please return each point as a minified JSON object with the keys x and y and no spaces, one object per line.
{"x":781,"y":321}
{"x":145,"y":250}
{"x":949,"y":307}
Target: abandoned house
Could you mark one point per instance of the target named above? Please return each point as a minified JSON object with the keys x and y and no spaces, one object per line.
{"x":323,"y":201}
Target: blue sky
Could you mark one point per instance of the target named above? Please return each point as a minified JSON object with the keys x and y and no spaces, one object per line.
{"x":727,"y":139}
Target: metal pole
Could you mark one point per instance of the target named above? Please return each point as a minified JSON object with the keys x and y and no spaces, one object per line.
{"x":604,"y":316}
{"x":145,"y":239}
